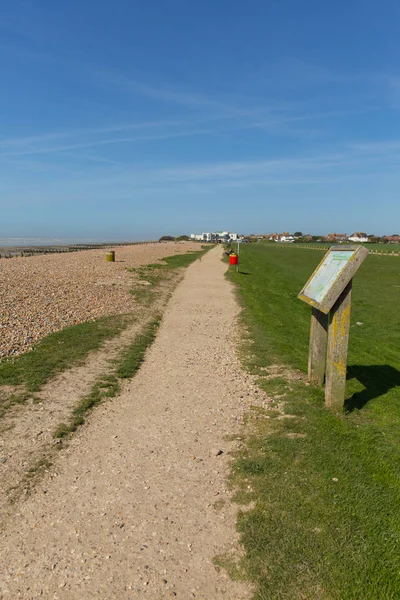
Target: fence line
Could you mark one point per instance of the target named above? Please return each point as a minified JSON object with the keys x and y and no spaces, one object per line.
{"x":310,"y":247}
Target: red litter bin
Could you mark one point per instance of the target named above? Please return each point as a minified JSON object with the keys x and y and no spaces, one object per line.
{"x":233,"y":259}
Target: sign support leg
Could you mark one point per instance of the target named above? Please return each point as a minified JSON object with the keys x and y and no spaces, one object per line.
{"x":317,"y":352}
{"x":338,"y":340}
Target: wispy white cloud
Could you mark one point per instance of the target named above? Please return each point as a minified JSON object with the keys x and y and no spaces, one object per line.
{"x":376,"y":147}
{"x":220,"y":107}
{"x":85,"y":132}
{"x":106,"y":142}
{"x":344,"y":166}
{"x":83,"y":157}
{"x":172,"y":128}
{"x":250,"y":171}
{"x":306,"y":169}
{"x":294,"y":72}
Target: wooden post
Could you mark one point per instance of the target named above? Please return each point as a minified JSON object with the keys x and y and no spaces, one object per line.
{"x":317,"y":352}
{"x":338,"y":339}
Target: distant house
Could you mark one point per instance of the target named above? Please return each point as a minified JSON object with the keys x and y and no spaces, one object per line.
{"x":281,"y":237}
{"x":336,"y":237}
{"x":392,"y":239}
{"x":359,"y":237}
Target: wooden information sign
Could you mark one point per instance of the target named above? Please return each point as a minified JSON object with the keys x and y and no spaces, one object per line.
{"x":328,"y":291}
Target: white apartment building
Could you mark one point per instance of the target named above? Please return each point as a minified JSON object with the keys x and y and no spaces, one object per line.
{"x":214,"y":236}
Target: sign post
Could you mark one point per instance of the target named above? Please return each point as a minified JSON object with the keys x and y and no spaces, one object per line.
{"x":328,"y":291}
{"x":317,"y":351}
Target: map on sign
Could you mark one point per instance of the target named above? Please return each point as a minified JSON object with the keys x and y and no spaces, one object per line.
{"x":327,"y":273}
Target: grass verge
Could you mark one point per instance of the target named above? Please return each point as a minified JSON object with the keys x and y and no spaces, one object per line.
{"x":108,"y":385}
{"x":323,"y":522}
{"x":59,"y":351}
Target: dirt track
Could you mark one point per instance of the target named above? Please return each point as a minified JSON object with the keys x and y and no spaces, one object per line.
{"x":137,"y":505}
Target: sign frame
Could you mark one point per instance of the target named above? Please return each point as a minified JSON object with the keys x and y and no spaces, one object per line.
{"x":344,"y":276}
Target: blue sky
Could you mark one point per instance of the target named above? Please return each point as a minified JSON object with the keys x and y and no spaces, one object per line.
{"x":129,"y":120}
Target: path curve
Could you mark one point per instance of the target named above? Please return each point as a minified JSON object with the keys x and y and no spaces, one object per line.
{"x":137,"y":505}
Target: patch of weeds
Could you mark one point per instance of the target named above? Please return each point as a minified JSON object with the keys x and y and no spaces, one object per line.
{"x":144,"y":296}
{"x":31,"y":476}
{"x":42,"y":464}
{"x":219,"y":505}
{"x":132,"y":357}
{"x":9,"y":401}
{"x":106,"y":386}
{"x":230,"y":565}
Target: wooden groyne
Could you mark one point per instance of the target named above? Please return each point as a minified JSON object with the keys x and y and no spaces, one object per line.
{"x":37,"y":250}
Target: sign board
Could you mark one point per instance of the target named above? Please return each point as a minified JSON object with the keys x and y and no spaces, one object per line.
{"x":331,"y":276}
{"x":329,"y":291}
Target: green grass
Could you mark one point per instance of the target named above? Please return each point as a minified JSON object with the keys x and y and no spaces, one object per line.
{"x":383,"y":247}
{"x":108,"y":385}
{"x":179,"y":260}
{"x":170,"y":262}
{"x":326,"y":489}
{"x":132,"y":357}
{"x":58,"y":352}
{"x":386,"y":248}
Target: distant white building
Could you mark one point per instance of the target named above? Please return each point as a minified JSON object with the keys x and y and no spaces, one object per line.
{"x":214,"y":236}
{"x":359,"y":237}
{"x":282,"y":237}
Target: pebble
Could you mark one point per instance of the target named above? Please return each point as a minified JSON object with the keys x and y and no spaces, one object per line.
{"x":216,"y":452}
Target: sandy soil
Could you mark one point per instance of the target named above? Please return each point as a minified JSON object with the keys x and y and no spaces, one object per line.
{"x":42,"y":294}
{"x":137,"y":506}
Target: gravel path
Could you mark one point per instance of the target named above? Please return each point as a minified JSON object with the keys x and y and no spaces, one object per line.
{"x":137,"y":506}
{"x":42,"y":294}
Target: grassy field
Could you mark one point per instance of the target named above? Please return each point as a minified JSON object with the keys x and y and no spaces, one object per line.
{"x":386,"y":248}
{"x":325,"y":519}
